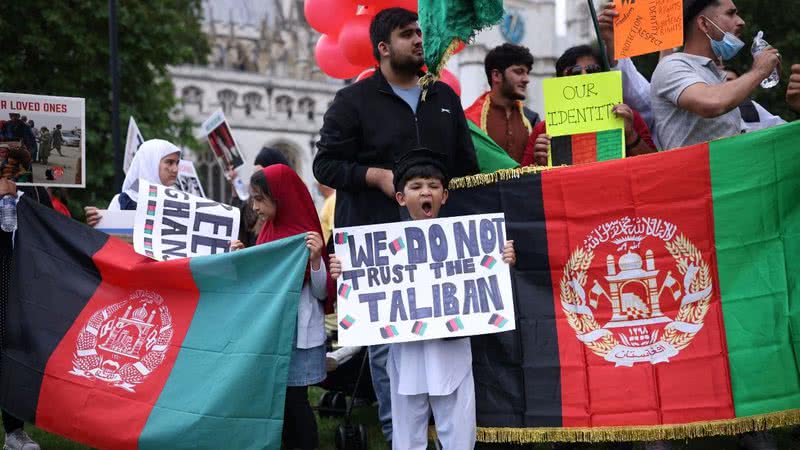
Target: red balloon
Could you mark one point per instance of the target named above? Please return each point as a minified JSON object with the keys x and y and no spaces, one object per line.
{"x":451,"y":80}
{"x":355,"y":43}
{"x":331,"y":59}
{"x":410,"y":5}
{"x":366,"y":74}
{"x":377,"y":5}
{"x":328,"y":16}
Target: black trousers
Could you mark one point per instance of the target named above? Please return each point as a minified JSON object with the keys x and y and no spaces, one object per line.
{"x":299,"y":423}
{"x":11,"y":423}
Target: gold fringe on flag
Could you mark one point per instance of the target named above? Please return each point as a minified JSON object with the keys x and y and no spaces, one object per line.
{"x":485,"y":179}
{"x":432,"y":76}
{"x":727,"y":427}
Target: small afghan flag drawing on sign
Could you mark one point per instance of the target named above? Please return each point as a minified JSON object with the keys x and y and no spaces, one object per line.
{"x":455,"y":324}
{"x":344,"y":290}
{"x":488,"y":261}
{"x":347,"y":322}
{"x":389,"y":331}
{"x":586,"y":148}
{"x":419,"y":328}
{"x":151,"y":208}
{"x":498,"y":320}
{"x":397,"y":245}
{"x":148,"y":227}
{"x":341,"y":238}
{"x":153,"y":191}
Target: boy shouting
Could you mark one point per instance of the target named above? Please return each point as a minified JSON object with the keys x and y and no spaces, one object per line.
{"x":436,"y":374}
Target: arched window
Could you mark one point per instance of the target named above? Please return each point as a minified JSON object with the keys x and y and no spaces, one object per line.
{"x":227,"y":99}
{"x":306,"y":106}
{"x":192,"y":95}
{"x":284,"y":104}
{"x":252,"y":102}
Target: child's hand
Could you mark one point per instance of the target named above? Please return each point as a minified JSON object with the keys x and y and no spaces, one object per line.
{"x":92,"y":215}
{"x":335,"y":267}
{"x":509,"y":255}
{"x":314,"y":244}
{"x":236,"y":245}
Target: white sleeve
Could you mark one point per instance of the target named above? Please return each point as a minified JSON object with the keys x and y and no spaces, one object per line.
{"x":319,"y":281}
{"x":636,"y":91}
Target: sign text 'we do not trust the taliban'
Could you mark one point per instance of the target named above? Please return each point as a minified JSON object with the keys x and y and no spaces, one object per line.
{"x":420,"y":280}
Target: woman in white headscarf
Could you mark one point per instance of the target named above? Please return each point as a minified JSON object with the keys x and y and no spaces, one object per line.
{"x":156,"y":162}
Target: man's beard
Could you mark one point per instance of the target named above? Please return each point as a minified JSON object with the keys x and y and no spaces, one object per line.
{"x":508,"y":90}
{"x":408,"y":65}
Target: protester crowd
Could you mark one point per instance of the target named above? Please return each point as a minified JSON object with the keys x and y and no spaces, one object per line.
{"x":385,"y":156}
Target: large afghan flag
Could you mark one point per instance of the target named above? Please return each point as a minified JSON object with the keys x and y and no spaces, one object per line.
{"x":656,"y":296}
{"x":114,"y":350}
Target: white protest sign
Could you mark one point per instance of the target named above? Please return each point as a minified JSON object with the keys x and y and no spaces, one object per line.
{"x":171,"y":224}
{"x":132,"y":143}
{"x":228,"y":153}
{"x":188,"y":180}
{"x":423,"y":279}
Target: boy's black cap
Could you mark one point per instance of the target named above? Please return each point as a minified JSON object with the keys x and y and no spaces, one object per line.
{"x":420,"y":156}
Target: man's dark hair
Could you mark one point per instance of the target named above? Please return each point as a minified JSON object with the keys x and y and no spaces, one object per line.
{"x":21,"y":155}
{"x":504,"y":56}
{"x":259,"y":181}
{"x":420,"y":171}
{"x":386,"y":21}
{"x":692,"y":9}
{"x":570,"y":57}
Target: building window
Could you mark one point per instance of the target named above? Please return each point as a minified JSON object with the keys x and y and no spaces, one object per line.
{"x":192,"y":95}
{"x":252,"y":102}
{"x":284,"y":104}
{"x":306,"y":106}
{"x":227,"y":99}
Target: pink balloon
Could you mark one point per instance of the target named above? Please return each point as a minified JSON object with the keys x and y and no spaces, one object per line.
{"x":366,"y":74}
{"x":451,"y":80}
{"x":328,"y":16}
{"x":331,"y":59}
{"x":355,"y":43}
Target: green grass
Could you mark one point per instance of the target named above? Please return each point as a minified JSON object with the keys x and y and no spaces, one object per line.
{"x":368,"y":417}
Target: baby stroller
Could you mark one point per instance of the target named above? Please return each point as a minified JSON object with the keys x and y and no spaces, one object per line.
{"x":348,"y":375}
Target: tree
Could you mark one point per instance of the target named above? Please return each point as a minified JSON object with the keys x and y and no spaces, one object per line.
{"x":62,"y":48}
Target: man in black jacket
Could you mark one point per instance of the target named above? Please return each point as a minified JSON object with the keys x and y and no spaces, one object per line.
{"x":370,"y":125}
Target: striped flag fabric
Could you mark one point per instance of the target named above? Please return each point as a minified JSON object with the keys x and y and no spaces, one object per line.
{"x":656,"y":296}
{"x":114,"y":350}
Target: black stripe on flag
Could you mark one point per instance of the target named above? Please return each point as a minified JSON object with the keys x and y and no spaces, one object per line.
{"x":52,"y":279}
{"x":561,"y":150}
{"x":517,"y":373}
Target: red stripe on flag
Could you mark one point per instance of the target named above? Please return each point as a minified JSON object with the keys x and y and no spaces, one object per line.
{"x":97,"y":412}
{"x":584,"y":148}
{"x":588,"y":208}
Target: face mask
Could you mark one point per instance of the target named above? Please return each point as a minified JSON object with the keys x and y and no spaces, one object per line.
{"x":728,"y":47}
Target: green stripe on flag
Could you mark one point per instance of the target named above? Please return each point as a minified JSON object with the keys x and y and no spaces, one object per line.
{"x":756,"y":192}
{"x":228,"y":384}
{"x":491,"y":157}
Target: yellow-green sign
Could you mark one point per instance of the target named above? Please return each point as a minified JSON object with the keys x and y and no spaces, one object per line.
{"x":582,"y":103}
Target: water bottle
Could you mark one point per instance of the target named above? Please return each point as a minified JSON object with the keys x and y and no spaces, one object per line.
{"x":8,"y":213}
{"x":760,"y":44}
{"x":241,"y":189}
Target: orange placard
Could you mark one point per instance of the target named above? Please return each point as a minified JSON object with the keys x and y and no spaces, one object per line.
{"x":647,"y":26}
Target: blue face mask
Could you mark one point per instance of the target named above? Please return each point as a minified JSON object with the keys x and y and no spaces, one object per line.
{"x":728,"y":47}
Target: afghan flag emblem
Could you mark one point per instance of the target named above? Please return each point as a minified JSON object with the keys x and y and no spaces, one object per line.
{"x":389,"y":331}
{"x":419,"y":328}
{"x":396,"y":245}
{"x":344,"y":290}
{"x":498,"y":320}
{"x":488,"y":261}
{"x":347,"y":322}
{"x":340,"y":238}
{"x":454,"y":325}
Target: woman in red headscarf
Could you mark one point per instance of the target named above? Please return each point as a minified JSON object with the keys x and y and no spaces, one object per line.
{"x":283,"y":202}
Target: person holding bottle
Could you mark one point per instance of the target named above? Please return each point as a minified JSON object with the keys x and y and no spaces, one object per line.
{"x":691,"y":101}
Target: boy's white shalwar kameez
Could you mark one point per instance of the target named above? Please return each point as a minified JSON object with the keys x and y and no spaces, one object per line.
{"x":432,"y":375}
